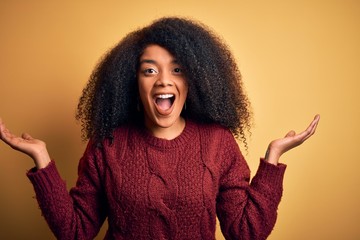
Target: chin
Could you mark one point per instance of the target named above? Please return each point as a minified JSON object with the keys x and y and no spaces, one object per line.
{"x":163,"y":122}
{"x":167,"y":122}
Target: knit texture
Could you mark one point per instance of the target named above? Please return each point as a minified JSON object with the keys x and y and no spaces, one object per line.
{"x":151,"y":188}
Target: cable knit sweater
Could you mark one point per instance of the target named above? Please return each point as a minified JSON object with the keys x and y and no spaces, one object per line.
{"x":151,"y":188}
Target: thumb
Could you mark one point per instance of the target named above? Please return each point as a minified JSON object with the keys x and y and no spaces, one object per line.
{"x":290,"y":134}
{"x":26,"y":136}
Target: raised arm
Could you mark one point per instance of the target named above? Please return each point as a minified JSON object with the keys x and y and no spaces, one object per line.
{"x":32,"y":147}
{"x":78,"y":215}
{"x":248,"y":210}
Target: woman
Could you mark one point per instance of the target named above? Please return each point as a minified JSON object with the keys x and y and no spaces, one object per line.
{"x":161,"y":111}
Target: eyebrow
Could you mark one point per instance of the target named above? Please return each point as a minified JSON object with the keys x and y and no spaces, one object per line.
{"x":147,"y":61}
{"x":154,"y":62}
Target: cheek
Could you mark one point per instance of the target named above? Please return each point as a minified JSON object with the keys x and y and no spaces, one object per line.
{"x":143,"y":97}
{"x":185,"y":90}
{"x":142,"y":89}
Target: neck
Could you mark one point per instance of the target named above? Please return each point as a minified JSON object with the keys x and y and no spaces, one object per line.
{"x":170,"y":132}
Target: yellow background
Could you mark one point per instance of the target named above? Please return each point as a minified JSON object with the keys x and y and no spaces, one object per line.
{"x":297,"y":58}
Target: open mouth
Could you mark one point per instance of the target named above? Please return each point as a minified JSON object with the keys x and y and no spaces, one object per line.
{"x":164,"y":101}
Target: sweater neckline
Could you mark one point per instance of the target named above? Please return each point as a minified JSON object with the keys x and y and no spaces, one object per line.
{"x":185,"y":136}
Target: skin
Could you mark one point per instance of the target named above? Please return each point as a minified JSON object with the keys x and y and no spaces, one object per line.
{"x":291,"y":140}
{"x":32,"y":147}
{"x":158,"y":74}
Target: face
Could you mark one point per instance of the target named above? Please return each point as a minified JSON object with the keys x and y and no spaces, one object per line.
{"x":162,"y":89}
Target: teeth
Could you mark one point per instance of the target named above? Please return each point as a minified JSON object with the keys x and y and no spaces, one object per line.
{"x":164,"y":96}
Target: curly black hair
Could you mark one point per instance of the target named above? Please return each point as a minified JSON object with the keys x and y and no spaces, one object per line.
{"x":216,"y":93}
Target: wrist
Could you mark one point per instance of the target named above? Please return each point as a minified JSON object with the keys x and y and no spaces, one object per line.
{"x":42,"y":159}
{"x":272,"y":156}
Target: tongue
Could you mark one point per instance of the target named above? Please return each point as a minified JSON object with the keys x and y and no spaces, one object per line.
{"x":164,"y":104}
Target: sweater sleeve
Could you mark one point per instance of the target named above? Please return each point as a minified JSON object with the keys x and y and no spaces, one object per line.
{"x":77,"y":214}
{"x":248,"y":210}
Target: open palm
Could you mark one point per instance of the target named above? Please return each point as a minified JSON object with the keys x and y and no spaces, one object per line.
{"x":34,"y":148}
{"x":291,"y":140}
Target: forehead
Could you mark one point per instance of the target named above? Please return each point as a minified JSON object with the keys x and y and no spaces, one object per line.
{"x":157,"y":53}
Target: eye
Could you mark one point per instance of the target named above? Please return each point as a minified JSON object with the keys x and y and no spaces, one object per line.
{"x":149,"y":71}
{"x":178,"y":70}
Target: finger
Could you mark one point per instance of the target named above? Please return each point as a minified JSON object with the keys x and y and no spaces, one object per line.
{"x":1,"y":131}
{"x":313,"y":125}
{"x":310,"y":134}
{"x":2,"y":126}
{"x":8,"y":137}
{"x":317,"y":117}
{"x":310,"y":130}
{"x":26,"y":136}
{"x":5,"y":134}
{"x":313,"y":122}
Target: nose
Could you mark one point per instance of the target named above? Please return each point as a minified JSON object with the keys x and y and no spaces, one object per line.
{"x":164,"y":79}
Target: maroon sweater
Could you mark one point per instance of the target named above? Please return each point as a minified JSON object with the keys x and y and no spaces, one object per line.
{"x":151,"y":188}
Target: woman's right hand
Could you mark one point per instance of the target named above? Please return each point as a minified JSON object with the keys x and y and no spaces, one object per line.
{"x":32,"y":147}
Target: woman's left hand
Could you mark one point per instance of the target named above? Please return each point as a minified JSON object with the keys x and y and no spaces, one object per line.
{"x":291,"y":140}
